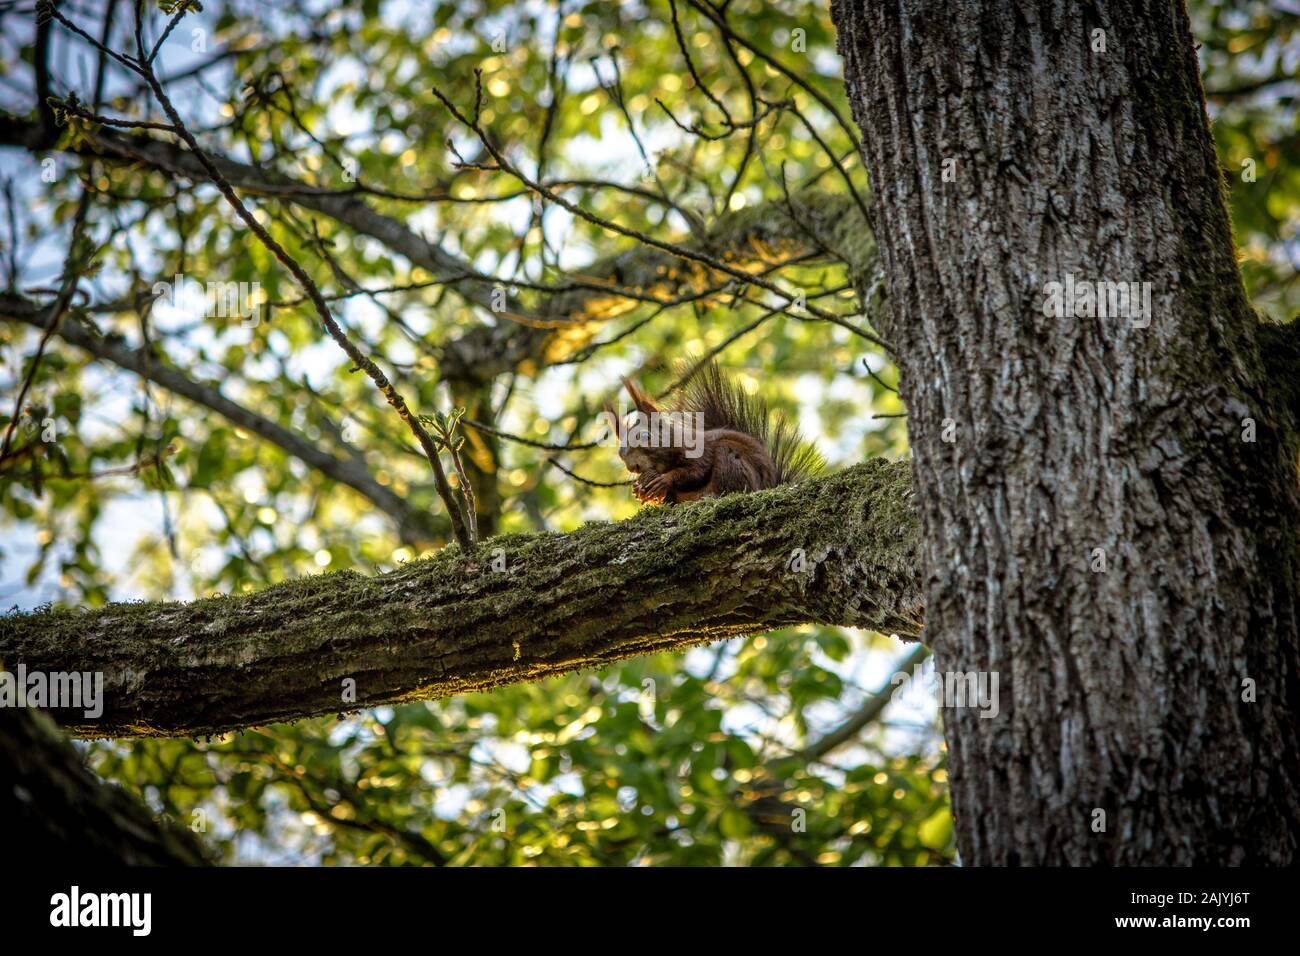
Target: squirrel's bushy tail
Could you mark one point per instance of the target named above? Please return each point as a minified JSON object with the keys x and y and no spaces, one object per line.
{"x":726,"y":404}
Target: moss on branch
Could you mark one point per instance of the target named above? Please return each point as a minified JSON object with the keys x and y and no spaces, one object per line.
{"x":838,"y":550}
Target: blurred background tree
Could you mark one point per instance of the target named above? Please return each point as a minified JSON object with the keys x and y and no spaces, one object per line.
{"x":715,"y":128}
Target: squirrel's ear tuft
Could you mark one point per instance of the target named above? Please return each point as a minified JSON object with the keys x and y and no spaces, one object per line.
{"x":642,"y":401}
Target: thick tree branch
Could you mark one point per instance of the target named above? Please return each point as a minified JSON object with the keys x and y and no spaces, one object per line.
{"x":519,"y":608}
{"x":56,"y":809}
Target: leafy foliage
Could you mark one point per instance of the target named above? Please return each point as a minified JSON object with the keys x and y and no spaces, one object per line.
{"x":599,"y":102}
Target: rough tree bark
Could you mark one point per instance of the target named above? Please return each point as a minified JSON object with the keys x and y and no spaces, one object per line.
{"x":520,"y":608}
{"x":52,"y":809}
{"x":1081,"y":147}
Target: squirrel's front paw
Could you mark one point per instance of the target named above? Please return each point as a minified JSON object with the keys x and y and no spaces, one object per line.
{"x":651,"y":488}
{"x":657,"y":488}
{"x":638,"y":487}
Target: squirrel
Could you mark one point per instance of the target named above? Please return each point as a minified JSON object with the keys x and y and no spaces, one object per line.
{"x":712,"y":440}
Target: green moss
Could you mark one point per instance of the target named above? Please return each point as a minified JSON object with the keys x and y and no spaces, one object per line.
{"x":865,"y":505}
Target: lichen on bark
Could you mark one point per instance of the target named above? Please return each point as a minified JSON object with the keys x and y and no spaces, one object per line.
{"x":838,"y":550}
{"x":1041,"y":443}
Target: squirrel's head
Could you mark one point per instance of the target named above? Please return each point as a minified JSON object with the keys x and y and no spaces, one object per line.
{"x":635,"y":442}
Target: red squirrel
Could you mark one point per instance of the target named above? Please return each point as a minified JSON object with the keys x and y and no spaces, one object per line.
{"x":714,"y":439}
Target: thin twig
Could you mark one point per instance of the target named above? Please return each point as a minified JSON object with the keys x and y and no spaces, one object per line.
{"x":71,"y":265}
{"x":458,"y":520}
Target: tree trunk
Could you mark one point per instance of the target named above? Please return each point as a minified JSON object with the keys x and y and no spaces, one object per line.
{"x":54,"y":810}
{"x":837,"y":550}
{"x":1098,"y":528}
